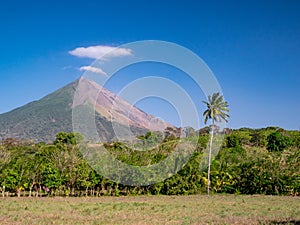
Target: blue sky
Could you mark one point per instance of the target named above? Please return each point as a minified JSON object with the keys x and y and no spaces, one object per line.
{"x":252,"y":47}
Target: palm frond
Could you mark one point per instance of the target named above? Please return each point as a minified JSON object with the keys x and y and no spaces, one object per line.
{"x":216,"y":108}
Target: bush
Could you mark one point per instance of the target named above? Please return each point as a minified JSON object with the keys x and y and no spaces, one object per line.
{"x":258,"y":139}
{"x":233,"y":141}
{"x":277,"y":142}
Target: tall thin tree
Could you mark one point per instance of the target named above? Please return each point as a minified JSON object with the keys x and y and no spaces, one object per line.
{"x":216,"y":111}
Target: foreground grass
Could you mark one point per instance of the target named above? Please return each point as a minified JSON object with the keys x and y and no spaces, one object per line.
{"x":194,"y":209}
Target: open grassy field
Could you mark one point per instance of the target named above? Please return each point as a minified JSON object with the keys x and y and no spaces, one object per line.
{"x":194,"y":209}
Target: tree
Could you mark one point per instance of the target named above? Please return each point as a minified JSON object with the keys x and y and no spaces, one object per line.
{"x":68,"y":138}
{"x":216,"y":112}
{"x":233,"y":141}
{"x":277,"y":142}
{"x":258,"y":138}
{"x":144,"y":139}
{"x":5,"y":157}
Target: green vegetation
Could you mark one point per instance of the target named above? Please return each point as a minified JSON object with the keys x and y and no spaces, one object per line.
{"x":216,"y":112}
{"x":244,"y":165}
{"x":277,"y":141}
{"x":195,"y":209}
{"x":41,"y":120}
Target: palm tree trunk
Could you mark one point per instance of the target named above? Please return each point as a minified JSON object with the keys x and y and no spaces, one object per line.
{"x":209,"y":159}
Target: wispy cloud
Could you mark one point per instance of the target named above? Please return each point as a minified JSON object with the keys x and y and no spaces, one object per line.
{"x":100,"y":52}
{"x":94,"y":70}
{"x":67,"y":67}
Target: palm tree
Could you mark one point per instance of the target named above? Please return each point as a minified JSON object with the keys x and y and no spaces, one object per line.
{"x":216,"y":112}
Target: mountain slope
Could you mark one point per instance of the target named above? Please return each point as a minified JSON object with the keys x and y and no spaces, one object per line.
{"x":41,"y":120}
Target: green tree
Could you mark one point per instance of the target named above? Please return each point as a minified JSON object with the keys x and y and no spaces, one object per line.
{"x":68,"y":138}
{"x":277,"y":142}
{"x":5,"y":157}
{"x":233,"y":141}
{"x":216,"y":111}
{"x":258,"y":138}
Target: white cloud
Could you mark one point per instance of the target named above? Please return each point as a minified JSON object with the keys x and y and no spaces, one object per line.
{"x":67,"y":67}
{"x":100,"y":52}
{"x":93,"y":69}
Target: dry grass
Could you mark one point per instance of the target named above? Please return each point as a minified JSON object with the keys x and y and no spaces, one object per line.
{"x":194,"y":209}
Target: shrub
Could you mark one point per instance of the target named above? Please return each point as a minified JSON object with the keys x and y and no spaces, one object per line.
{"x":277,"y":142}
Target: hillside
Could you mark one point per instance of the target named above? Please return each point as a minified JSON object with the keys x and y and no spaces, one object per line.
{"x":41,"y":120}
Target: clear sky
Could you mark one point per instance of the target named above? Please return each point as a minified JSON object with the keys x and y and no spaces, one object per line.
{"x":253,"y":48}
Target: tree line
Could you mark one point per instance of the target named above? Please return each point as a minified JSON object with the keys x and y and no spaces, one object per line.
{"x":261,"y":161}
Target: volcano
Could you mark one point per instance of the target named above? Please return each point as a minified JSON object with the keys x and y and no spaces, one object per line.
{"x":41,"y":120}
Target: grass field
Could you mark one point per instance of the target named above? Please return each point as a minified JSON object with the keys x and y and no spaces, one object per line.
{"x":194,"y":209}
